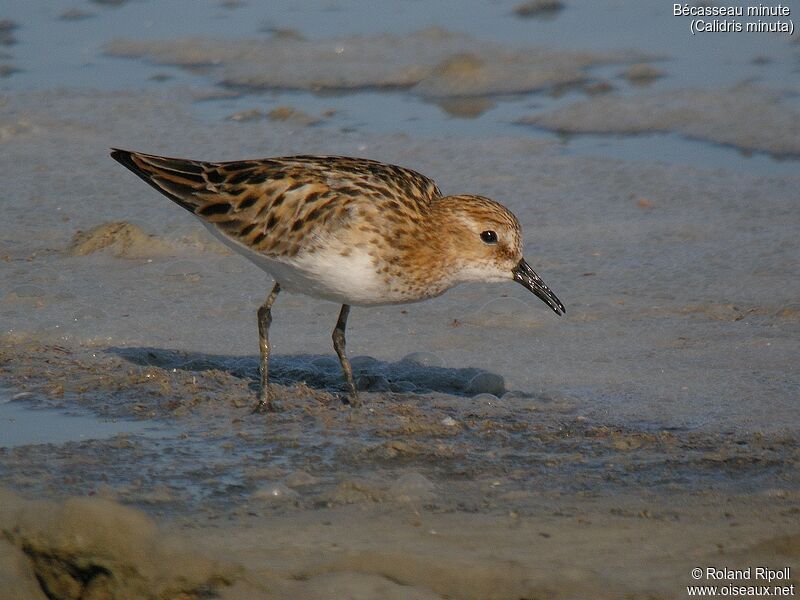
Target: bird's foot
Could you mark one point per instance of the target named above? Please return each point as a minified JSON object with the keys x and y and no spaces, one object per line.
{"x":263,"y":407}
{"x":352,"y":400}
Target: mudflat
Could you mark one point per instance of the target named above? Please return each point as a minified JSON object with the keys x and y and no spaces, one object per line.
{"x":500,"y":452}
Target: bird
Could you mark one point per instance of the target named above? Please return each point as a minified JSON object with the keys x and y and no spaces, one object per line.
{"x":354,"y":231}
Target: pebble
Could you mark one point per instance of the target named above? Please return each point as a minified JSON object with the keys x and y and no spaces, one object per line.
{"x":486,"y":383}
{"x":300,"y":478}
{"x":412,"y":487}
{"x":423,"y":359}
{"x":275,"y":492}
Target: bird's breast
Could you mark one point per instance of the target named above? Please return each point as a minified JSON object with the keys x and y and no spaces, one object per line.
{"x":341,"y":270}
{"x":344,"y":274}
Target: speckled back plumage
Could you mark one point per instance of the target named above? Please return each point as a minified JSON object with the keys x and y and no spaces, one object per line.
{"x":271,"y":203}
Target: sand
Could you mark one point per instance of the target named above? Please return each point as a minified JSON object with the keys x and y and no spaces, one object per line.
{"x":573,"y":548}
{"x":89,"y":548}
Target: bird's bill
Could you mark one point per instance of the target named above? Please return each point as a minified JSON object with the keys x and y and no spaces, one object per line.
{"x":526,"y":276}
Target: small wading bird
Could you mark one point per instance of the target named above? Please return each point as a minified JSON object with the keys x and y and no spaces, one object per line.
{"x":349,"y":230}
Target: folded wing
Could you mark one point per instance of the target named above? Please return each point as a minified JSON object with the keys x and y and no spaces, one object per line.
{"x":266,"y":204}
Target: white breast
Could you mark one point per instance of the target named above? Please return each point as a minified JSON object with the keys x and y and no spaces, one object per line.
{"x":324,"y":274}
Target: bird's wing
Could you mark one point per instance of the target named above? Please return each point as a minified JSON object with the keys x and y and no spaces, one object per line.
{"x":268,"y":204}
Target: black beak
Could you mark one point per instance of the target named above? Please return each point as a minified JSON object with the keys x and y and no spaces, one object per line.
{"x":526,"y":276}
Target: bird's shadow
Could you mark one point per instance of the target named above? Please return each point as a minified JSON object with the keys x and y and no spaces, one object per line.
{"x":410,"y":375}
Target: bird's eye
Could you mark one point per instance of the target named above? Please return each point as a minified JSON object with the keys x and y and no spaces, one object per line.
{"x":489,"y":237}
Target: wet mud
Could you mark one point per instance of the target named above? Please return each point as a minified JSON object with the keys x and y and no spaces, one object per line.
{"x":434,"y":63}
{"x":745,"y":117}
{"x":439,"y":445}
{"x":413,"y":495}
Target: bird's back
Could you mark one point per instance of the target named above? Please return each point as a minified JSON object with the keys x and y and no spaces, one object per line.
{"x":278,"y":207}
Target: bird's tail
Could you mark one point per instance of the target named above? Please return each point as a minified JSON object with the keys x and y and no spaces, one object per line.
{"x":185,"y":182}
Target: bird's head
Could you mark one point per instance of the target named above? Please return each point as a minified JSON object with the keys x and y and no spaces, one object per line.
{"x":484,"y":239}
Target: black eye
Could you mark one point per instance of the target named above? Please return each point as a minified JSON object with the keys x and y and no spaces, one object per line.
{"x":489,"y":237}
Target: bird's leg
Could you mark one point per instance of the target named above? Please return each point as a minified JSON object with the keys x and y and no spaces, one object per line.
{"x":264,"y":321}
{"x":338,"y":345}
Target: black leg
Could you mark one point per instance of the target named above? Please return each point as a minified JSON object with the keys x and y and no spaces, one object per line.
{"x":338,"y":345}
{"x":264,"y":321}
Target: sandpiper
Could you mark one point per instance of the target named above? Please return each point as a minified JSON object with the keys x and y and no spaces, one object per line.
{"x":349,"y":230}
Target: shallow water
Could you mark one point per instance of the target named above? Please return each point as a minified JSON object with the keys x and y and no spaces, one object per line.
{"x":21,"y":425}
{"x":647,"y":26}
